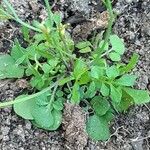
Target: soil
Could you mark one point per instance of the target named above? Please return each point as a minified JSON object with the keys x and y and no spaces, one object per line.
{"x":130,"y":131}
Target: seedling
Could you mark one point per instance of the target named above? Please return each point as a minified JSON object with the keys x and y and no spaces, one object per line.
{"x":56,"y":74}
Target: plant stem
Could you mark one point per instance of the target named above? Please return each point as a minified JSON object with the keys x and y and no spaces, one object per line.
{"x":19,"y":100}
{"x":53,"y":96}
{"x":108,"y":32}
{"x":15,"y":17}
{"x":49,"y":11}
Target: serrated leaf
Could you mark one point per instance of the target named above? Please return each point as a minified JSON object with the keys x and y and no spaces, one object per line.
{"x":8,"y":68}
{"x":97,"y":128}
{"x":115,"y":56}
{"x":23,"y":109}
{"x":117,"y":44}
{"x":115,"y":94}
{"x":75,"y":99}
{"x":139,"y":96}
{"x":42,"y":116}
{"x":100,"y":105}
{"x":112,"y":72}
{"x":104,"y":89}
{"x":126,"y":80}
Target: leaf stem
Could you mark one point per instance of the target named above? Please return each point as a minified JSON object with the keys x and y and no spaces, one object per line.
{"x":110,"y":23}
{"x":53,"y":96}
{"x":16,"y":18}
{"x":49,"y":11}
{"x":19,"y":100}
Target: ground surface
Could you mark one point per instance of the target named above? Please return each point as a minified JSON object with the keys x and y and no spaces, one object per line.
{"x":131,"y":131}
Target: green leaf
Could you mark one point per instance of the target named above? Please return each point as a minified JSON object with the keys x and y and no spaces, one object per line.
{"x":46,"y":68}
{"x":85,"y":50}
{"x":65,"y":80}
{"x":139,"y":96}
{"x":125,"y":103}
{"x":21,"y":60}
{"x":114,"y":56}
{"x":97,"y":128}
{"x":17,"y":51}
{"x":39,"y":37}
{"x":106,"y":46}
{"x":109,"y":116}
{"x":23,"y":109}
{"x":59,"y":94}
{"x":117,"y":44}
{"x":58,"y":105}
{"x":82,"y":45}
{"x":97,"y":72}
{"x":57,"y":115}
{"x":36,"y":24}
{"x":104,"y":89}
{"x":53,"y":62}
{"x":37,"y":82}
{"x":75,"y":99}
{"x":126,"y":80}
{"x":43,"y":99}
{"x":85,"y":78}
{"x":115,"y":94}
{"x":91,"y":91}
{"x":132,"y":63}
{"x":42,"y":116}
{"x":100,"y":105}
{"x":8,"y":68}
{"x":25,"y":32}
{"x":79,"y":68}
{"x":112,"y":72}
{"x":57,"y":18}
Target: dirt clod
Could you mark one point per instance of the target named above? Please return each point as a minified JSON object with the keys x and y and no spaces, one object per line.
{"x":74,"y":127}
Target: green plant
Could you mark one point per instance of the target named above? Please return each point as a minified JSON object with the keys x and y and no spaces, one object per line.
{"x":54,"y":71}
